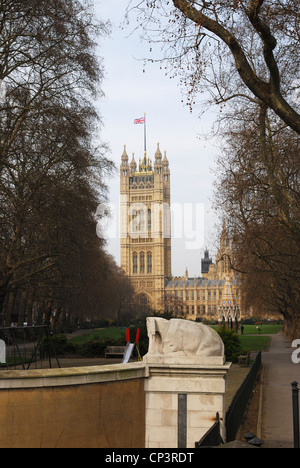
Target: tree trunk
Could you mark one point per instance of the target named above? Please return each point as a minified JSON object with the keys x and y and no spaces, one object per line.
{"x":292,"y":327}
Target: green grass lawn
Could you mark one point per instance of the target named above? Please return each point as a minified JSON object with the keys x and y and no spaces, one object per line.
{"x":265,"y":329}
{"x":113,"y":333}
{"x":254,"y":339}
{"x":258,"y":342}
{"x":255,"y":343}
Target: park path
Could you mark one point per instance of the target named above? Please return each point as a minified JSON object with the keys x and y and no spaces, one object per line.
{"x":278,"y":373}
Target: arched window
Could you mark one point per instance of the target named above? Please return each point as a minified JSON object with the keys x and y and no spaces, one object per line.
{"x":149,"y":263}
{"x":142,"y":262}
{"x":135,"y":263}
{"x":135,"y":221}
{"x":144,"y":303}
{"x":142,"y":221}
{"x":149,"y":223}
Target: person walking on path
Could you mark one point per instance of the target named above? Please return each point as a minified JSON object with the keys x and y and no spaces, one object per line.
{"x":279,"y":372}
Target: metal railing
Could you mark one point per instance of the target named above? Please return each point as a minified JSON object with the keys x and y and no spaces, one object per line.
{"x":238,"y":406}
{"x":295,"y":402}
{"x":23,"y":347}
{"x":212,"y":438}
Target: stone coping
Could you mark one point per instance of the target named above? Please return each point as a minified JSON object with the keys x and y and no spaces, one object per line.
{"x":188,"y":361}
{"x":185,"y":368}
{"x":70,"y":376}
{"x":97,"y":374}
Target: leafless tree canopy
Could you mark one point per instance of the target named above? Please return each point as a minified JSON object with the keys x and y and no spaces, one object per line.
{"x":230,"y":48}
{"x":53,"y":167}
{"x":258,"y":190}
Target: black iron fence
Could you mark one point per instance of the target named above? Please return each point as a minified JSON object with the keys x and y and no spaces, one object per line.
{"x":27,"y":347}
{"x":295,"y":402}
{"x":235,"y":412}
{"x":212,"y":438}
{"x":238,"y":406}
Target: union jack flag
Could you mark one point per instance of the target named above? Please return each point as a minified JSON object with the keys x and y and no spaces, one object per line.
{"x":142,"y":120}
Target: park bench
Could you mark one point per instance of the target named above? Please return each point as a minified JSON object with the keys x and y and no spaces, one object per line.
{"x":114,"y":351}
{"x":244,"y":359}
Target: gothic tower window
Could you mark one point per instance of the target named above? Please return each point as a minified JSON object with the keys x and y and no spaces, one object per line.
{"x":135,"y":221}
{"x":149,"y":262}
{"x":142,"y":263}
{"x":144,"y":303}
{"x":149,"y":223}
{"x":135,"y":263}
{"x":142,"y":221}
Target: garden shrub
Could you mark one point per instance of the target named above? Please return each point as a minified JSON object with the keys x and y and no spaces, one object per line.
{"x":233,"y":347}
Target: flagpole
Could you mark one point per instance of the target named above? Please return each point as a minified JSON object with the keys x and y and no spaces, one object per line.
{"x":145,"y":134}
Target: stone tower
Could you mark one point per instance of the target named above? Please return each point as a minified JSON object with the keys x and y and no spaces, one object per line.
{"x":146,"y":226}
{"x":224,"y":255}
{"x":205,"y":262}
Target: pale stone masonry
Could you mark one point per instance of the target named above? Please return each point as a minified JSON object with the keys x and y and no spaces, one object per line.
{"x":204,"y":387}
{"x":145,"y":191}
{"x":145,"y":226}
{"x":186,"y":382}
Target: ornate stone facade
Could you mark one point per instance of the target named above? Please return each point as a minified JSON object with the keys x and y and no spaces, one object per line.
{"x":146,"y":246}
{"x":145,"y":226}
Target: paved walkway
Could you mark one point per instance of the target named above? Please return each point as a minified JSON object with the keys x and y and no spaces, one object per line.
{"x":279,"y":372}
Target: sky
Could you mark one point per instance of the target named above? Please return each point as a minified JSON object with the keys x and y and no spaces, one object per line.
{"x":131,"y":89}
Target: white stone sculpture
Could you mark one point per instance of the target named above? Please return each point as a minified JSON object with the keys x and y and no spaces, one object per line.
{"x":178,"y":341}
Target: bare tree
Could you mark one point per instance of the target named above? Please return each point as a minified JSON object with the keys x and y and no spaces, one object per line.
{"x":47,"y":202}
{"x":230,"y":48}
{"x":47,"y":55}
{"x":258,"y":190}
{"x":52,"y":169}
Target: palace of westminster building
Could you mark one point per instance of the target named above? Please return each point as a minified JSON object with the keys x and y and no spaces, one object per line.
{"x":146,"y":249}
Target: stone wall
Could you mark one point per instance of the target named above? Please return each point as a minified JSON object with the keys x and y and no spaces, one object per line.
{"x":136,"y":405}
{"x":198,"y":390}
{"x":94,"y":407}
